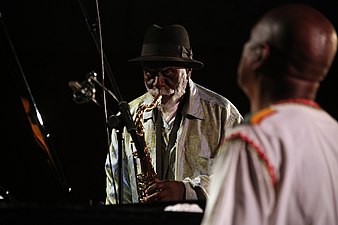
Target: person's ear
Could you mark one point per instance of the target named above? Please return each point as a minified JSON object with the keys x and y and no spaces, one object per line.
{"x":189,"y":70}
{"x":263,"y":52}
{"x":262,"y":55}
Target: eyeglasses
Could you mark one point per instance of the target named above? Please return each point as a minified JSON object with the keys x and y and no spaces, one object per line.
{"x":165,"y":71}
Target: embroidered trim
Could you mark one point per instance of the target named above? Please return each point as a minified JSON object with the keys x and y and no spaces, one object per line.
{"x":301,"y":101}
{"x":259,"y":116}
{"x":261,"y":154}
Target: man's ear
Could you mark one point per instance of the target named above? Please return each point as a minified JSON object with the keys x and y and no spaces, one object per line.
{"x":263,"y":52}
{"x":262,"y":55}
{"x":189,"y":70}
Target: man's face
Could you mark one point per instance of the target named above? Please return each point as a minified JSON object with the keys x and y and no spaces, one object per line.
{"x":170,"y":81}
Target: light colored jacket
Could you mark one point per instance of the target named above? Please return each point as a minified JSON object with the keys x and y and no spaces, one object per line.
{"x":206,"y":118}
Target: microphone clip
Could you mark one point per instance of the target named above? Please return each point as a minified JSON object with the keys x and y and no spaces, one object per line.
{"x":83,"y":92}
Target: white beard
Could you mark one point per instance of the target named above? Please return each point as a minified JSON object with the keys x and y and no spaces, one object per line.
{"x":169,"y":107}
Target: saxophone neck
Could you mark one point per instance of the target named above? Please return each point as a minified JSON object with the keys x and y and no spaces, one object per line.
{"x":158,"y":99}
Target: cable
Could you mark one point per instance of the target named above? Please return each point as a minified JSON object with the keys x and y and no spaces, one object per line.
{"x":104,"y":93}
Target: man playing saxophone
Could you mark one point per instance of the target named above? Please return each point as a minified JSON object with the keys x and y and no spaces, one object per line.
{"x":182,"y":131}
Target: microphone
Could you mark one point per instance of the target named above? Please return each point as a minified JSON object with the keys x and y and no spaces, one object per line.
{"x":82,"y":92}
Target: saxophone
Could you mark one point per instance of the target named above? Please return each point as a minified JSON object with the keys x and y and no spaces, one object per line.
{"x":144,"y":170}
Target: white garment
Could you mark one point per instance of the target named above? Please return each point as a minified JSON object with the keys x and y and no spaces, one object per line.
{"x":280,"y":168}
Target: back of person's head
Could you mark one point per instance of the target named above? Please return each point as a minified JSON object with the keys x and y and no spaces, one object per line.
{"x":302,"y":39}
{"x":295,"y":46}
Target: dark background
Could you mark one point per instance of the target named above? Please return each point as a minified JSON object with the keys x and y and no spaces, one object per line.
{"x":55,"y":46}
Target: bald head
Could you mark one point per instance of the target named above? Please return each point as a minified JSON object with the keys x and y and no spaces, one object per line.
{"x":301,"y":38}
{"x":290,"y":50}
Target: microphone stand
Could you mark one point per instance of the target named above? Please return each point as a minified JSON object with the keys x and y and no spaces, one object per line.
{"x":123,"y":106}
{"x":125,"y":119}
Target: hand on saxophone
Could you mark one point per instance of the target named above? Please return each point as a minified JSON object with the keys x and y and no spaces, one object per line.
{"x":165,"y":191}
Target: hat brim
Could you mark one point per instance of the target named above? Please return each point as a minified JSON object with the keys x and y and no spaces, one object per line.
{"x":191,"y":63}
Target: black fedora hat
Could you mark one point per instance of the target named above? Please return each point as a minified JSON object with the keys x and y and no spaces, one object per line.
{"x":167,"y":45}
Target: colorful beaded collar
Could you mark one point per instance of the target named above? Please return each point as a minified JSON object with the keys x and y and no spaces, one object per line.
{"x":301,"y":101}
{"x":258,"y":116}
